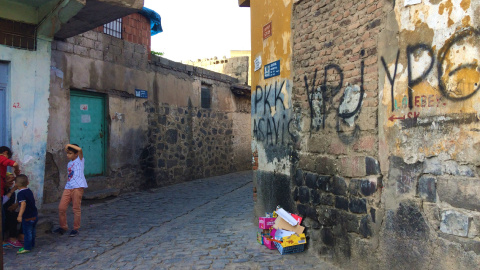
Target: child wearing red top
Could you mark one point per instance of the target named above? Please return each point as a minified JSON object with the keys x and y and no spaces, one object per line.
{"x":5,"y":155}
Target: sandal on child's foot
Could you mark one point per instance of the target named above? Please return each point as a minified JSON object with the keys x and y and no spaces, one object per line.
{"x":23,"y":251}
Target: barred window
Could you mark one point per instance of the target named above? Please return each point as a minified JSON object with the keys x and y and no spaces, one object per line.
{"x":113,"y":28}
{"x":17,"y":34}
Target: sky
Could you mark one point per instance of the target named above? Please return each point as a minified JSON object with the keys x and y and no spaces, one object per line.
{"x":197,"y":29}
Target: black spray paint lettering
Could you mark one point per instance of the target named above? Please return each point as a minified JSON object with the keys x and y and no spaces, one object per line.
{"x":261,"y":94}
{"x":268,"y":128}
{"x":391,"y":78}
{"x":442,"y":55}
{"x":272,"y":131}
{"x":334,"y":90}
{"x":413,"y":82}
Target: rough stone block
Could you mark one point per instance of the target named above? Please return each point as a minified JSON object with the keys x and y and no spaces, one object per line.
{"x":315,"y":197}
{"x":354,"y":187}
{"x":79,"y":50}
{"x":352,"y":166}
{"x":368,"y":187}
{"x":455,"y":223}
{"x":171,"y":136}
{"x":128,"y":46}
{"x":427,"y":188}
{"x":432,"y":166}
{"x":328,"y":238}
{"x":327,"y":199}
{"x":96,"y":54}
{"x":465,"y":171}
{"x":407,"y":222}
{"x":358,"y":206}
{"x":324,"y":182}
{"x":451,"y":167}
{"x":325,"y":165}
{"x":339,"y":186}
{"x":91,"y":35}
{"x":311,"y":180}
{"x":299,"y":178}
{"x":365,"y":227}
{"x":307,"y":162}
{"x":341,"y":203}
{"x":405,"y":175}
{"x":304,"y":194}
{"x":117,"y":42}
{"x":372,"y":166}
{"x":460,"y":192}
{"x":84,"y":42}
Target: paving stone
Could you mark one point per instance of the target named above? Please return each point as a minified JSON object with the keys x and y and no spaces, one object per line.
{"x":202,"y":224}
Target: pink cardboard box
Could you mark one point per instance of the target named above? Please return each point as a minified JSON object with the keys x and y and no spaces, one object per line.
{"x":269,"y":244}
{"x":265,"y":223}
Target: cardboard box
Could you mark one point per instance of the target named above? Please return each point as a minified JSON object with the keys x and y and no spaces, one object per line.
{"x":265,"y":223}
{"x":268,"y":243}
{"x":294,"y":240}
{"x":260,"y":238}
{"x":297,"y":218}
{"x":282,"y":224}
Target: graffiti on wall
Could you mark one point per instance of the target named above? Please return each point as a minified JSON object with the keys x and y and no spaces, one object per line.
{"x":271,"y":114}
{"x":320,"y":100}
{"x":457,"y":81}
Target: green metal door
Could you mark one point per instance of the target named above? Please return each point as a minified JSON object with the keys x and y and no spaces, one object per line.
{"x":88,"y":129}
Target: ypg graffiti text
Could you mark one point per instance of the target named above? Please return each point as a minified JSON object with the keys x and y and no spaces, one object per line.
{"x":320,"y":97}
{"x":455,"y":80}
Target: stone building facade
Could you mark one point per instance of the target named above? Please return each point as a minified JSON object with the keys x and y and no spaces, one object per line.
{"x":188,"y":123}
{"x":384,"y":145}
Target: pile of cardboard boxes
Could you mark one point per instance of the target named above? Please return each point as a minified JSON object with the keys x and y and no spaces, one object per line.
{"x":281,"y":230}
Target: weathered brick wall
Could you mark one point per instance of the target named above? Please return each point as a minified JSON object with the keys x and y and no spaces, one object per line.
{"x":135,"y":29}
{"x":338,"y":181}
{"x":387,"y":170}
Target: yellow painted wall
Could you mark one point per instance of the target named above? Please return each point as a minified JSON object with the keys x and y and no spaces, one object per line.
{"x":279,"y":45}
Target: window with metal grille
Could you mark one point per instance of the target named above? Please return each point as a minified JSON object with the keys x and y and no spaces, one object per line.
{"x":113,"y":28}
{"x":17,"y":35}
{"x":206,"y":97}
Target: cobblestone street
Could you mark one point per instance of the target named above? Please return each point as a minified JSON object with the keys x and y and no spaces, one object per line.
{"x":203,"y":224}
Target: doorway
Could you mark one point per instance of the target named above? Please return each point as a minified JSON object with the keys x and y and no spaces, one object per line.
{"x":88,"y":129}
{"x":3,"y":103}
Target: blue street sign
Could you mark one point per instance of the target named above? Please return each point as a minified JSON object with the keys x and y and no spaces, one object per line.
{"x":141,"y":93}
{"x":272,"y":70}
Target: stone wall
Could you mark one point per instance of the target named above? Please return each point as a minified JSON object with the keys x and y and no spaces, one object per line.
{"x":189,"y":143}
{"x":163,"y":139}
{"x":237,"y":67}
{"x":387,"y":168}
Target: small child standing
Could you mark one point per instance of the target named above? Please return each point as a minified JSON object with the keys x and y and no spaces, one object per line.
{"x":28,"y":214}
{"x":10,"y":206}
{"x":5,"y":155}
{"x":73,"y":192}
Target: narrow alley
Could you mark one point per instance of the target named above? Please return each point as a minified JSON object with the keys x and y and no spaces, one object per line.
{"x":211,"y":227}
